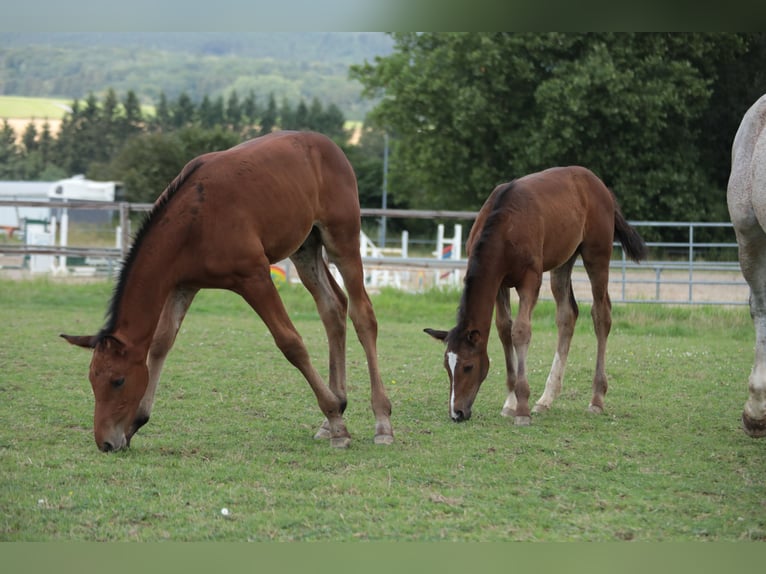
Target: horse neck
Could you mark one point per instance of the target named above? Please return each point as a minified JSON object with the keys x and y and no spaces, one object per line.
{"x":152,"y":276}
{"x":478,"y":299}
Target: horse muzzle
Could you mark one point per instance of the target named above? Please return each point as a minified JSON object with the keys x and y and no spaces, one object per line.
{"x":460,"y":415}
{"x":113,"y":443}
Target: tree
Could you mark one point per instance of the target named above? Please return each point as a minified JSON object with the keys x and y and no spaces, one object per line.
{"x":131,"y":123}
{"x":162,"y":116}
{"x":470,"y":110}
{"x":211,"y":113}
{"x":250,"y":110}
{"x":183,"y":112}
{"x":301,"y":117}
{"x":234,"y":111}
{"x":149,"y":162}
{"x":45,"y":144}
{"x":29,"y":138}
{"x":9,"y":156}
{"x":286,"y":115}
{"x":269,"y":116}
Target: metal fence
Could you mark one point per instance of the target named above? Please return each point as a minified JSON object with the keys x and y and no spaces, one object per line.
{"x":687,"y":271}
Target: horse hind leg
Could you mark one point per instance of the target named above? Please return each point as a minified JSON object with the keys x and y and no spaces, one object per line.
{"x":566,"y":317}
{"x":752,"y":255}
{"x":344,"y":252}
{"x":332,"y":305}
{"x":601,"y":313}
{"x":259,"y":291}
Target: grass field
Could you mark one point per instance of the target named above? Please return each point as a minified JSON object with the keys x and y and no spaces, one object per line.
{"x":40,"y":108}
{"x":233,"y":424}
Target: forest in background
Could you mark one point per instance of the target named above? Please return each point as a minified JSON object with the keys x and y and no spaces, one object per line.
{"x":290,"y":65}
{"x":653,"y":114}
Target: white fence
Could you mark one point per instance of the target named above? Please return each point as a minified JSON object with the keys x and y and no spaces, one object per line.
{"x":699,"y":272}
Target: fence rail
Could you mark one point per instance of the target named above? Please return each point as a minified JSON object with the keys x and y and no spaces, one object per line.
{"x":689,"y":278}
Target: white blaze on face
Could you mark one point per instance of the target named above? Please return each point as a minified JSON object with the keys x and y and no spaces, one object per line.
{"x":452,"y":362}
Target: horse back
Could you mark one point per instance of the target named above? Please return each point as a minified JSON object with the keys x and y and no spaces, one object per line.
{"x":268,"y":193}
{"x":546,"y":216}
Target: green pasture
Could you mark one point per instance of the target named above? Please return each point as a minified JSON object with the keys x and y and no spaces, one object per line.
{"x":233,"y":424}
{"x":23,"y":107}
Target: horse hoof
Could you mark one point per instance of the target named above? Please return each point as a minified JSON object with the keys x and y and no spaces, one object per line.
{"x":595,"y":409}
{"x":383,"y":439}
{"x":508,"y":412}
{"x":540,"y":408}
{"x":522,"y":421}
{"x":340,"y":442}
{"x":753,"y":427}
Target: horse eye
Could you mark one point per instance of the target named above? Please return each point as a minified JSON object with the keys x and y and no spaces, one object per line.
{"x":117,"y":383}
{"x":467,"y":368}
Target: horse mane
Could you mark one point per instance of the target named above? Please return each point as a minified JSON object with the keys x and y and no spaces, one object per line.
{"x":159,"y":208}
{"x":473,"y":272}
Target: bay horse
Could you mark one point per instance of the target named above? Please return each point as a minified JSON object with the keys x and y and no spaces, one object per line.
{"x":220,"y":224}
{"x":746,"y":199}
{"x":540,"y":222}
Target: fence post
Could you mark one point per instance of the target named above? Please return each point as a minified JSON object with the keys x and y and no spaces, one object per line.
{"x":125,"y":227}
{"x":691,"y":261}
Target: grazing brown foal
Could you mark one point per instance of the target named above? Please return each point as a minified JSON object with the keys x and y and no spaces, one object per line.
{"x":540,"y":222}
{"x":220,"y":224}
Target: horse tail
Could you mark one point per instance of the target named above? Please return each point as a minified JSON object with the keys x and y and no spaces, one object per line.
{"x":632,"y":243}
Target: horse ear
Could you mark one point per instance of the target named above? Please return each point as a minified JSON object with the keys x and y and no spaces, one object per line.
{"x":85,"y":341}
{"x":474,"y":337}
{"x":440,"y":335}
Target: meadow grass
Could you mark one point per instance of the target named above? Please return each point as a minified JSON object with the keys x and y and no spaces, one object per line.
{"x":24,"y":107}
{"x":233,"y":424}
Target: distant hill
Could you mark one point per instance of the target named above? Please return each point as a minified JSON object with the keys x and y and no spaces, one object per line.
{"x":291,"y":65}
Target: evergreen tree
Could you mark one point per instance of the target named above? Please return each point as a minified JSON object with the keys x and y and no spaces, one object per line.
{"x":162,"y":117}
{"x":29,"y":138}
{"x":205,"y":113}
{"x":132,"y":121}
{"x":269,"y":116}
{"x":250,"y":111}
{"x":9,"y":153}
{"x":286,"y":115}
{"x":234,"y":112}
{"x":46,"y":142}
{"x":301,"y":118}
{"x":183,"y":112}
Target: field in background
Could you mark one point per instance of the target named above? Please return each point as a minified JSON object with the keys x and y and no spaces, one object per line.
{"x":20,"y":111}
{"x":233,"y":423}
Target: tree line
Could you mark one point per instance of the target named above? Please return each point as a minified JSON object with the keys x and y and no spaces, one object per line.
{"x":110,"y":138}
{"x":653,"y":114}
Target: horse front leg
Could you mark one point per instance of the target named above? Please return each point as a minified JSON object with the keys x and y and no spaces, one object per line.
{"x":504,"y":325}
{"x":521,"y":334}
{"x":173,"y":313}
